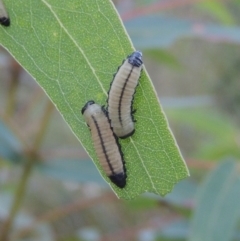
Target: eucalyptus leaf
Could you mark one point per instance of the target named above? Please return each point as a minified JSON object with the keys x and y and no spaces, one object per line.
{"x":217,"y":213}
{"x":217,"y":9}
{"x":175,"y":231}
{"x":218,"y":130}
{"x":72,"y":48}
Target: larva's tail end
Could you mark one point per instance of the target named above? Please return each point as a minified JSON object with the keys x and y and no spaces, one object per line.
{"x":5,"y":21}
{"x":119,"y":179}
{"x":128,"y":135}
{"x":90,"y":102}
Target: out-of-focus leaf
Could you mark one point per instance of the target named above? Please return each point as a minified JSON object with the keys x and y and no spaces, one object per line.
{"x":141,"y":203}
{"x":156,"y":31}
{"x":218,"y":10}
{"x":10,"y":147}
{"x":43,"y":231}
{"x":237,"y":2}
{"x":73,"y":54}
{"x":71,"y":170}
{"x":23,"y":220}
{"x":177,"y":230}
{"x":205,"y":119}
{"x":220,"y":134}
{"x":147,"y":234}
{"x":6,"y":201}
{"x":159,"y":31}
{"x":186,"y":102}
{"x":88,"y":234}
{"x":163,"y":57}
{"x":183,"y":193}
{"x":217,"y":211}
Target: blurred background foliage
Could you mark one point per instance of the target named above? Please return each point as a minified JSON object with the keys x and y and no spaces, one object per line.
{"x":50,"y":189}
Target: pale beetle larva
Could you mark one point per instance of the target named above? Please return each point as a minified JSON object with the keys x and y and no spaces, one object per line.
{"x":4,"y":18}
{"x":120,"y":95}
{"x":105,"y":143}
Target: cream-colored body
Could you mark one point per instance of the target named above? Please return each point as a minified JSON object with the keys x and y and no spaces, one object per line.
{"x":119,"y":109}
{"x":104,"y":141}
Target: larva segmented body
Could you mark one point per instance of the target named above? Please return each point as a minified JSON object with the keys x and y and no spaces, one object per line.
{"x":120,"y":95}
{"x":105,"y":142}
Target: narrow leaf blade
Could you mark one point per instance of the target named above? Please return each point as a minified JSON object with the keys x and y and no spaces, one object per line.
{"x":72,"y":48}
{"x":217,"y":211}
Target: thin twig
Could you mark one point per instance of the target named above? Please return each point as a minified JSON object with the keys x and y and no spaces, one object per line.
{"x":16,"y":131}
{"x":30,"y":160}
{"x":43,"y":125}
{"x":25,"y":111}
{"x":14,"y":83}
{"x":17,"y":201}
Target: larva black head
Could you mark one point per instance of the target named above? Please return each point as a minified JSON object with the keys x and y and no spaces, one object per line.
{"x":104,"y":110}
{"x":119,"y":179}
{"x":135,"y":59}
{"x":90,"y":102}
{"x":5,"y":21}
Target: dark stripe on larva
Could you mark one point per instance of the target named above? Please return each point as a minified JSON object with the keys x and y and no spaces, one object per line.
{"x":121,"y":96}
{"x":102,"y":144}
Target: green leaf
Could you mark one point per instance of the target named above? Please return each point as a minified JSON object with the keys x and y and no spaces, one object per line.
{"x":217,"y":133}
{"x":217,"y":212}
{"x":164,"y":57}
{"x":72,"y":48}
{"x":217,"y":9}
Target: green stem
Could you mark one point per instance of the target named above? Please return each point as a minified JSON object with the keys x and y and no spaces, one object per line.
{"x":30,"y":160}
{"x":18,"y":196}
